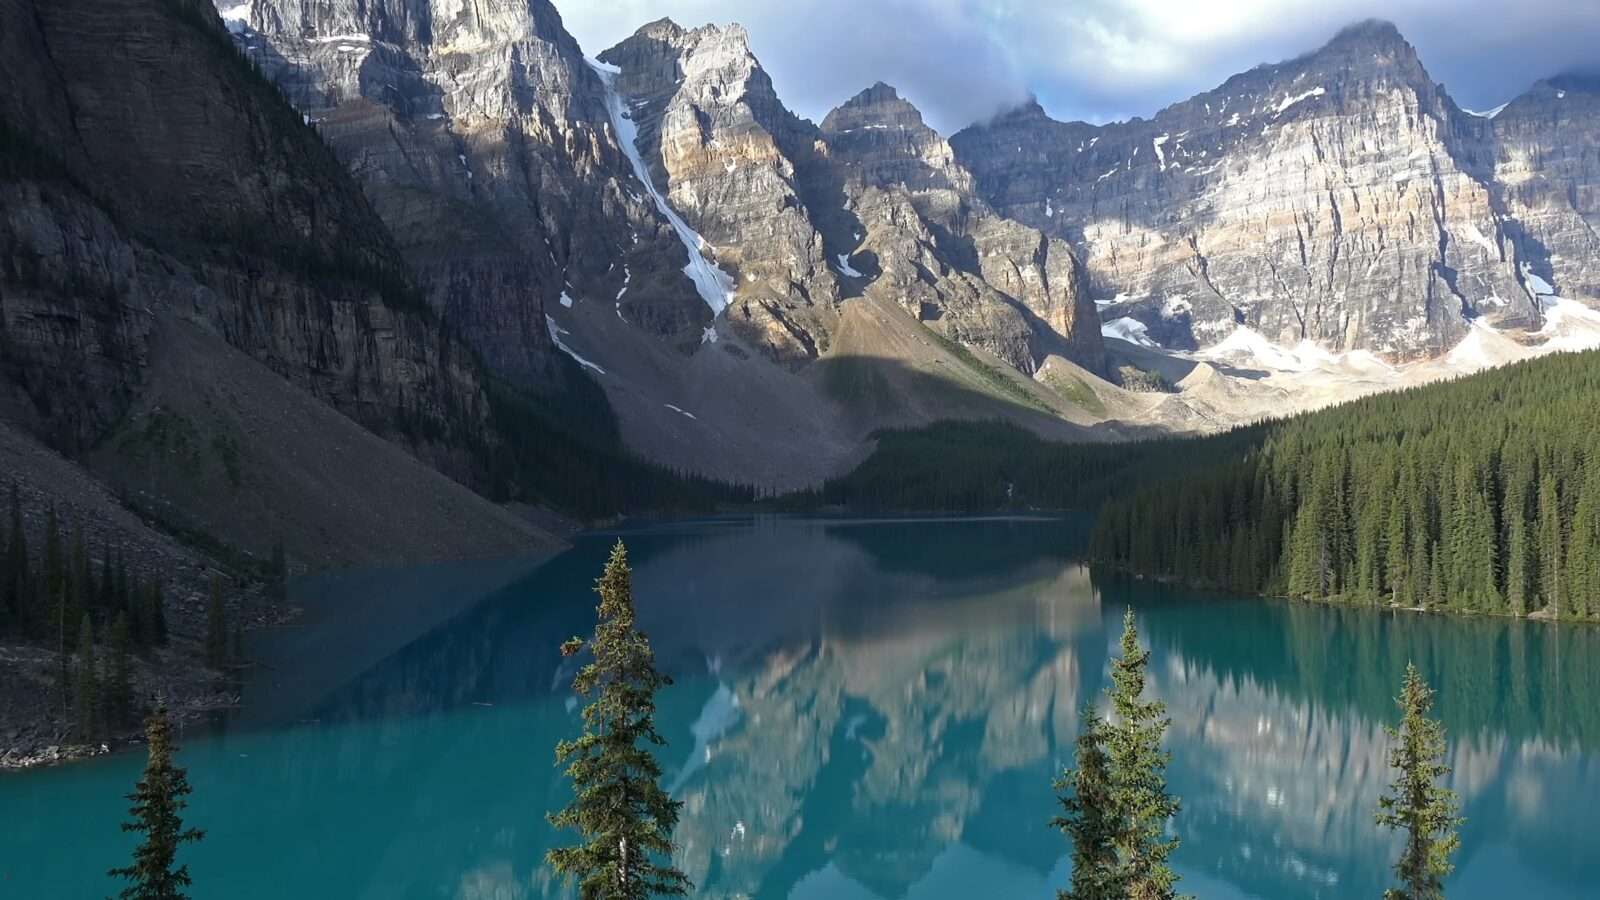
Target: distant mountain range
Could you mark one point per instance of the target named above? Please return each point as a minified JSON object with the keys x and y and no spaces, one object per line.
{"x":457,"y":206}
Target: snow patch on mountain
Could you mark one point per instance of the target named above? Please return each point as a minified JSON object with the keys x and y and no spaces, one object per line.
{"x":556,"y":331}
{"x":715,"y":286}
{"x":1128,"y":329}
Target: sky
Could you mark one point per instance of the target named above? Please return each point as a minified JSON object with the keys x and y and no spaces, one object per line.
{"x":961,"y":61}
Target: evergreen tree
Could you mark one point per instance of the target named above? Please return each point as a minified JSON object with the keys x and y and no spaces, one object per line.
{"x":7,"y":617}
{"x":1089,"y":817}
{"x":624,"y":817}
{"x":158,"y":604}
{"x":16,"y":588}
{"x":279,"y":573}
{"x":119,"y":675}
{"x":1415,"y":803}
{"x":1138,"y":777}
{"x":86,"y":700}
{"x":216,"y":628}
{"x":158,"y":804}
{"x":1552,"y":538}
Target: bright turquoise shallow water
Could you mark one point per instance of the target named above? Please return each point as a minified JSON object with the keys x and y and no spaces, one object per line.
{"x":863,"y":710}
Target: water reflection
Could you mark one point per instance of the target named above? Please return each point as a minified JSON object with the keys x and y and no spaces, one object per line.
{"x":863,"y":710}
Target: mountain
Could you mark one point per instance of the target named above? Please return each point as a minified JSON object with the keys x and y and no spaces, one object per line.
{"x":192,"y":284}
{"x":871,"y":203}
{"x":1341,"y":198}
{"x":484,"y":141}
{"x":533,"y":269}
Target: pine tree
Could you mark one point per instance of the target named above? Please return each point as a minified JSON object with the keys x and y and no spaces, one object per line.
{"x":624,"y":817}
{"x":86,"y":699}
{"x":1138,"y":777}
{"x":158,"y":804}
{"x":119,"y":675}
{"x":216,"y":628}
{"x":1089,"y":817}
{"x":1552,"y":541}
{"x":1415,"y":803}
{"x":16,"y":588}
{"x":279,"y":573}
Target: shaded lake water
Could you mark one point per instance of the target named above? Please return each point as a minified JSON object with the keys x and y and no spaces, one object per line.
{"x":862,"y":710}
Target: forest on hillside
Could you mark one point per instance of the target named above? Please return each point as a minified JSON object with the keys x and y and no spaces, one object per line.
{"x":1479,"y":495}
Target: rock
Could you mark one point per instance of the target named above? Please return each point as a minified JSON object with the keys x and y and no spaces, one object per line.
{"x":483,"y":140}
{"x":1340,"y":197}
{"x":873,"y":200}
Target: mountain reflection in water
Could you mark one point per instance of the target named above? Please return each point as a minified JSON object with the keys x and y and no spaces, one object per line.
{"x":862,"y":710}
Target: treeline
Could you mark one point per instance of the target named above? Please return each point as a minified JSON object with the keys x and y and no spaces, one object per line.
{"x":565,"y":450}
{"x":45,"y":595}
{"x":986,"y":466}
{"x":1480,"y":495}
{"x":59,"y":599}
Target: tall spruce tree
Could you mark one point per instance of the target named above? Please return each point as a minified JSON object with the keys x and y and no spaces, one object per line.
{"x":86,"y":694}
{"x":1138,"y":777}
{"x":623,"y":816}
{"x":1416,"y":803}
{"x":158,"y":804}
{"x":118,"y":685}
{"x":1089,"y":816}
{"x":216,"y":627}
{"x":16,"y":588}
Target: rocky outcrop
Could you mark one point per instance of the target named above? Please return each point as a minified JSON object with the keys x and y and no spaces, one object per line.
{"x":872,"y":201}
{"x":148,"y":170}
{"x":1545,"y":146}
{"x":1341,"y":198}
{"x":484,"y":141}
{"x":729,"y":157}
{"x":193,"y":290}
{"x":928,"y":242}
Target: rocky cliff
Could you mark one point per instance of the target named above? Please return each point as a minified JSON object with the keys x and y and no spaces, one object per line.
{"x":485,"y":142}
{"x":1546,"y":170}
{"x":1340,"y":197}
{"x":872,"y":201}
{"x":157,"y":196}
{"x":150,"y":171}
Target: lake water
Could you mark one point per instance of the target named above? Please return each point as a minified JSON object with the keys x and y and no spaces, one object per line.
{"x":862,"y":710}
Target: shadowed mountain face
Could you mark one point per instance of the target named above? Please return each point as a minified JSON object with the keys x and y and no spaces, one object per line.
{"x":860,"y":709}
{"x":1340,"y":197}
{"x":189,"y":280}
{"x":484,"y":141}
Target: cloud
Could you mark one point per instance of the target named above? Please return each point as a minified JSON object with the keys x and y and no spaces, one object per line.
{"x":963,"y":60}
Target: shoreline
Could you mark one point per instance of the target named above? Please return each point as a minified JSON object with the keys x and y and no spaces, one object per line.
{"x":1545,"y":616}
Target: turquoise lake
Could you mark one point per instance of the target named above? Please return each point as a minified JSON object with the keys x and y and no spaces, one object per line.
{"x":863,"y":709}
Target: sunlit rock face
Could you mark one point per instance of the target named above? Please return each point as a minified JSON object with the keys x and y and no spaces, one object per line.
{"x":1546,"y":146}
{"x":484,"y":141}
{"x":726,"y":151}
{"x":1341,"y":197}
{"x":941,"y":252}
{"x":872,"y":201}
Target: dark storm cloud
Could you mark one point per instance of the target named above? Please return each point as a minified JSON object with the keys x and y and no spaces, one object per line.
{"x":962,"y":60}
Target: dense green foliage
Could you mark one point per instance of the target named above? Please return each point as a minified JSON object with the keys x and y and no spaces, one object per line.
{"x":1415,"y":803}
{"x":56,"y":599}
{"x":624,"y":816}
{"x":1481,"y":495}
{"x":982,"y":466}
{"x":1087,"y":816}
{"x":1118,"y":808}
{"x":565,"y":450}
{"x":158,"y":804}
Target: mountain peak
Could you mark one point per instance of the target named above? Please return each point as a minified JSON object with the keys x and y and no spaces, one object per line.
{"x":879,"y":105}
{"x":663,"y":26}
{"x":1368,"y":31}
